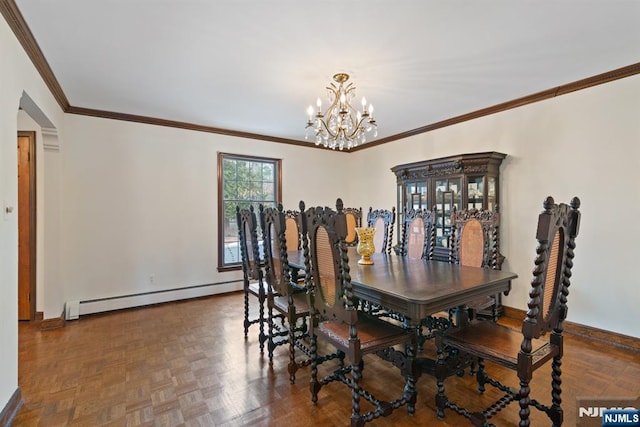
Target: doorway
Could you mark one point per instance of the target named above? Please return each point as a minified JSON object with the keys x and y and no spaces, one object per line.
{"x":26,"y":226}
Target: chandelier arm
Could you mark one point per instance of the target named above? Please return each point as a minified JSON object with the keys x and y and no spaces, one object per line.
{"x":327,"y":130}
{"x":357,"y":129}
{"x":332,"y":111}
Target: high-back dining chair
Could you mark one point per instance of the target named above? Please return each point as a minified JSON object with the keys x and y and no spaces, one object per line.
{"x":418,"y":234}
{"x":382,"y":220}
{"x":353,"y":218}
{"x":252,"y":272}
{"x":475,"y":243}
{"x":526,"y":351}
{"x":419,"y":241}
{"x":340,"y":324}
{"x":283,"y":297}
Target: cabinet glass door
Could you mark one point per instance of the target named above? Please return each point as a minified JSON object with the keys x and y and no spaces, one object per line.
{"x":475,"y":192}
{"x":448,"y":196}
{"x":416,"y":197}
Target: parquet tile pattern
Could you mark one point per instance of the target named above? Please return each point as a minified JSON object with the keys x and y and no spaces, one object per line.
{"x":188,"y":364}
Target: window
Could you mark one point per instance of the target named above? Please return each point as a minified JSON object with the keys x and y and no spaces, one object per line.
{"x":242,"y":181}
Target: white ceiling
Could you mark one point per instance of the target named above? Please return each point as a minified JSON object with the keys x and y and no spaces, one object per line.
{"x":254,"y":66}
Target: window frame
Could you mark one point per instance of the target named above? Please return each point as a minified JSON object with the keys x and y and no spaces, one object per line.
{"x":222,"y":267}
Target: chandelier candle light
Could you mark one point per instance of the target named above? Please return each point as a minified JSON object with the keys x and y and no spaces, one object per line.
{"x":341,"y":125}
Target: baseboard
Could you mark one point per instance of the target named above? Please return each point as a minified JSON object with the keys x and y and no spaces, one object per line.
{"x":120,"y":302}
{"x":11,"y":409}
{"x":588,"y":332}
{"x":53,"y":323}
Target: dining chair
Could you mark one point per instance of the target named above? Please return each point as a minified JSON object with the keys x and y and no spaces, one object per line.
{"x":354,"y":220}
{"x":419,"y":241}
{"x":340,"y":324}
{"x":252,"y":272}
{"x":418,"y":234}
{"x":475,"y":242}
{"x":283,"y":296}
{"x":293,"y":236}
{"x":527,"y":350}
{"x":382,"y":220}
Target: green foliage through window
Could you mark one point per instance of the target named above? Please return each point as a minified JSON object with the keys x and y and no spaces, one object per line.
{"x":245,"y":181}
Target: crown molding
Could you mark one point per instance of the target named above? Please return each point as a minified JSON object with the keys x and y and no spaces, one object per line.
{"x":599,"y":79}
{"x":16,"y":22}
{"x":181,"y":125}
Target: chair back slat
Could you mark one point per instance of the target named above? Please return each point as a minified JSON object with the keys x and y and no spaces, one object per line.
{"x":276,"y":263}
{"x":382,"y":220}
{"x":292,"y":230}
{"x":248,"y":241}
{"x":353,"y":218}
{"x":474,"y":238}
{"x":418,"y":234}
{"x":326,"y":263}
{"x":472,"y":244}
{"x":327,"y":275}
{"x":558,"y":226}
{"x":551,"y":283}
{"x":415,"y":238}
{"x":379,"y":238}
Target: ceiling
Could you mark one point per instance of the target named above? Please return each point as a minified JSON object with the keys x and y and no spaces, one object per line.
{"x":252,"y":68}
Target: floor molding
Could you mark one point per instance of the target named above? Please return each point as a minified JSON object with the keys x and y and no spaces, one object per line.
{"x":11,"y":409}
{"x":53,"y":323}
{"x":588,"y":332}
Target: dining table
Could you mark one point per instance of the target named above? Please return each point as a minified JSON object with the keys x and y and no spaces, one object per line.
{"x":416,"y":289}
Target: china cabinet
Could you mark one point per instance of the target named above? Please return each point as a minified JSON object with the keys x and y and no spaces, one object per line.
{"x":464,"y":181}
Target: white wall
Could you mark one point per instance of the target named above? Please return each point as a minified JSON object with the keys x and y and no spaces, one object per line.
{"x":141,"y":200}
{"x":586,"y":143}
{"x":17,"y":75}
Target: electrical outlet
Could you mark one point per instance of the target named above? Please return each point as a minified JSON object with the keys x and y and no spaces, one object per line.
{"x":152,"y":278}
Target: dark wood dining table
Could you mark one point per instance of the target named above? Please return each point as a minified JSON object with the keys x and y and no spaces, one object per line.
{"x":416,"y":288}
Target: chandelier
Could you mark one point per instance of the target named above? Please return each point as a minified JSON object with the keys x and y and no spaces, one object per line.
{"x":341,"y":125}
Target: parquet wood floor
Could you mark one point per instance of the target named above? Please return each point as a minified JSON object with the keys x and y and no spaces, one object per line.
{"x":188,"y":364}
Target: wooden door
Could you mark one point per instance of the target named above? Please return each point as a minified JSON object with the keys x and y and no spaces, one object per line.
{"x":26,"y":226}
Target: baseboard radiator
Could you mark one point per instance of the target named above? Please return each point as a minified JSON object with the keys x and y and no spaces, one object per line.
{"x":75,"y":309}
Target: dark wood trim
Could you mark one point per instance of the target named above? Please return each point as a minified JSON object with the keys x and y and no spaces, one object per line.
{"x":220,"y":156}
{"x":599,"y":79}
{"x":11,"y":409}
{"x":39,"y":316}
{"x":19,"y":27}
{"x":183,"y":125}
{"x":53,"y":323}
{"x":587,"y":332}
{"x":24,"y":35}
{"x":229,"y":268}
